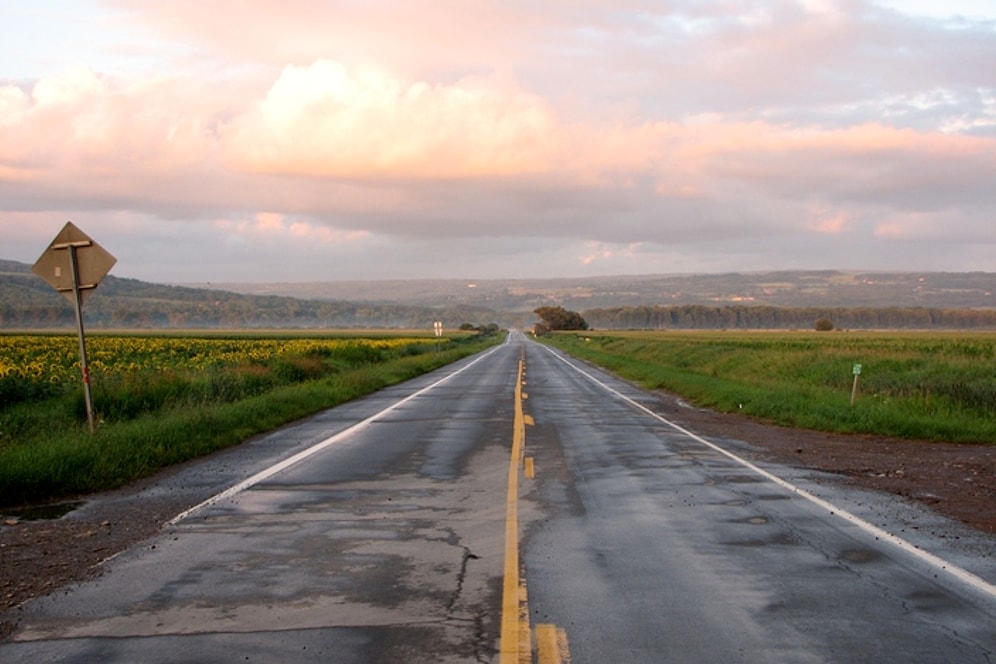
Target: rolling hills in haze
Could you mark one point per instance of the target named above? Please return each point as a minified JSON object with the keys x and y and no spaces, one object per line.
{"x":28,"y":302}
{"x":780,"y":289}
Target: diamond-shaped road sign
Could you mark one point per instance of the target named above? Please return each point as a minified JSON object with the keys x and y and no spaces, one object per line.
{"x":93,"y":262}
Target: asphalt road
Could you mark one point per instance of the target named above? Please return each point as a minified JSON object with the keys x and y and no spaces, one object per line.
{"x":380,"y":532}
{"x":659,"y":546}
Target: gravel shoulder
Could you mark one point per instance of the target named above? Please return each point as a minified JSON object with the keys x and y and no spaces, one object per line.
{"x":38,"y":557}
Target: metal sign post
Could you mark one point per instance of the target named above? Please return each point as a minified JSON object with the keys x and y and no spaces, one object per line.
{"x":71,"y":247}
{"x":437,"y":326}
{"x":854,"y":388}
{"x":88,"y":263}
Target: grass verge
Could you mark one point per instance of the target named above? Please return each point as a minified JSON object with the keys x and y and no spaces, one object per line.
{"x":927,"y":386}
{"x":54,"y":456}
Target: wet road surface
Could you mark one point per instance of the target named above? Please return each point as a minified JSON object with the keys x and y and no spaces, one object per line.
{"x":657,"y":547}
{"x":380,"y":536}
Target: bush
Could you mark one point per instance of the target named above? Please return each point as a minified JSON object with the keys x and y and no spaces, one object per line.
{"x":558,"y":318}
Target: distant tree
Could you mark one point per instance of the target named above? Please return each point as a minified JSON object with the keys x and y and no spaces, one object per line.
{"x":466,"y":327}
{"x":823,"y":325}
{"x":558,"y":318}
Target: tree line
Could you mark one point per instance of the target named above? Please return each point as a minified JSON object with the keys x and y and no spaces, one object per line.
{"x":27,"y":302}
{"x":766,"y":317}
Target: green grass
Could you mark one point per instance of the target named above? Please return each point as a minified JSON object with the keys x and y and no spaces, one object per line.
{"x":151,"y":420}
{"x":929,"y":386}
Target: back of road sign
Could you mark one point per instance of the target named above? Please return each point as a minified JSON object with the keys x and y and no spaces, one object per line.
{"x":93,"y":262}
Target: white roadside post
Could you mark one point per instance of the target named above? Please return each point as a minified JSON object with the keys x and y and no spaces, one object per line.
{"x":73,"y":265}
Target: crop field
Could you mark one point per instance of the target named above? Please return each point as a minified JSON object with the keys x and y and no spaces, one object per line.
{"x":921,"y":385}
{"x":163,"y":399}
{"x":55,"y":359}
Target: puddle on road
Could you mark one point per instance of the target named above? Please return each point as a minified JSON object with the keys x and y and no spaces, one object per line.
{"x":741,"y":479}
{"x":752,"y":520}
{"x":778,"y":539}
{"x":860,"y":555}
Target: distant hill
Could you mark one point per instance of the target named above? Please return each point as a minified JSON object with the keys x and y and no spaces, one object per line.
{"x":28,"y":302}
{"x":970,"y":290}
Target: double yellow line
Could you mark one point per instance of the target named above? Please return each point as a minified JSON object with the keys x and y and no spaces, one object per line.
{"x":516,"y":636}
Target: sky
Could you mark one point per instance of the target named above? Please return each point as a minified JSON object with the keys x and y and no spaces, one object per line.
{"x":328,"y":140}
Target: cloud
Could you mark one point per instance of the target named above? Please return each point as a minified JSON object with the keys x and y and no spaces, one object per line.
{"x":614,"y":130}
{"x":868,"y":164}
{"x":380,"y":122}
{"x":601,"y":252}
{"x":409,"y":37}
{"x":830,"y":222}
{"x":324,"y":120}
{"x":272,"y":226}
{"x":349,"y":149}
{"x":81,"y":123}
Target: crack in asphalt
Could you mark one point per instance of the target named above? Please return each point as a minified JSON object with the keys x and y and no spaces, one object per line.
{"x":482,"y":651}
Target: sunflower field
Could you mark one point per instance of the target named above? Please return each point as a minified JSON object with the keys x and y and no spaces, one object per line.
{"x":160,"y":400}
{"x":55,"y":358}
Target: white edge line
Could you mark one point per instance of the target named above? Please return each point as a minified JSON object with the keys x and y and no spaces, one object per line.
{"x":935,"y":561}
{"x":317,"y":447}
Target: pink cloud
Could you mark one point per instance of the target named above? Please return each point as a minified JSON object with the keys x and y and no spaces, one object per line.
{"x":830,"y":222}
{"x":601,"y":251}
{"x":265,"y":226}
{"x":891,"y":229}
{"x":325,"y":120}
{"x":369,"y":140}
{"x":81,"y":124}
{"x":269,"y":222}
{"x":869,"y":163}
{"x":913,"y":225}
{"x":407,"y":37}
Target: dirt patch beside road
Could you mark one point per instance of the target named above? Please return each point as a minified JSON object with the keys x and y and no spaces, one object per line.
{"x":38,"y":557}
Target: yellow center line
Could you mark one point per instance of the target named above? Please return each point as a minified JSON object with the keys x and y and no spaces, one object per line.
{"x":551,"y":645}
{"x":510,"y":644}
{"x":515,"y":643}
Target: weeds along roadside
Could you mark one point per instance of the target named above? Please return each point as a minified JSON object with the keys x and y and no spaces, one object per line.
{"x":936,"y":386}
{"x":169,"y":412}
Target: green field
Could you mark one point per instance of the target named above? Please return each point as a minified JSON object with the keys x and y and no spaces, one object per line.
{"x":164,"y":399}
{"x":935,"y":386}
